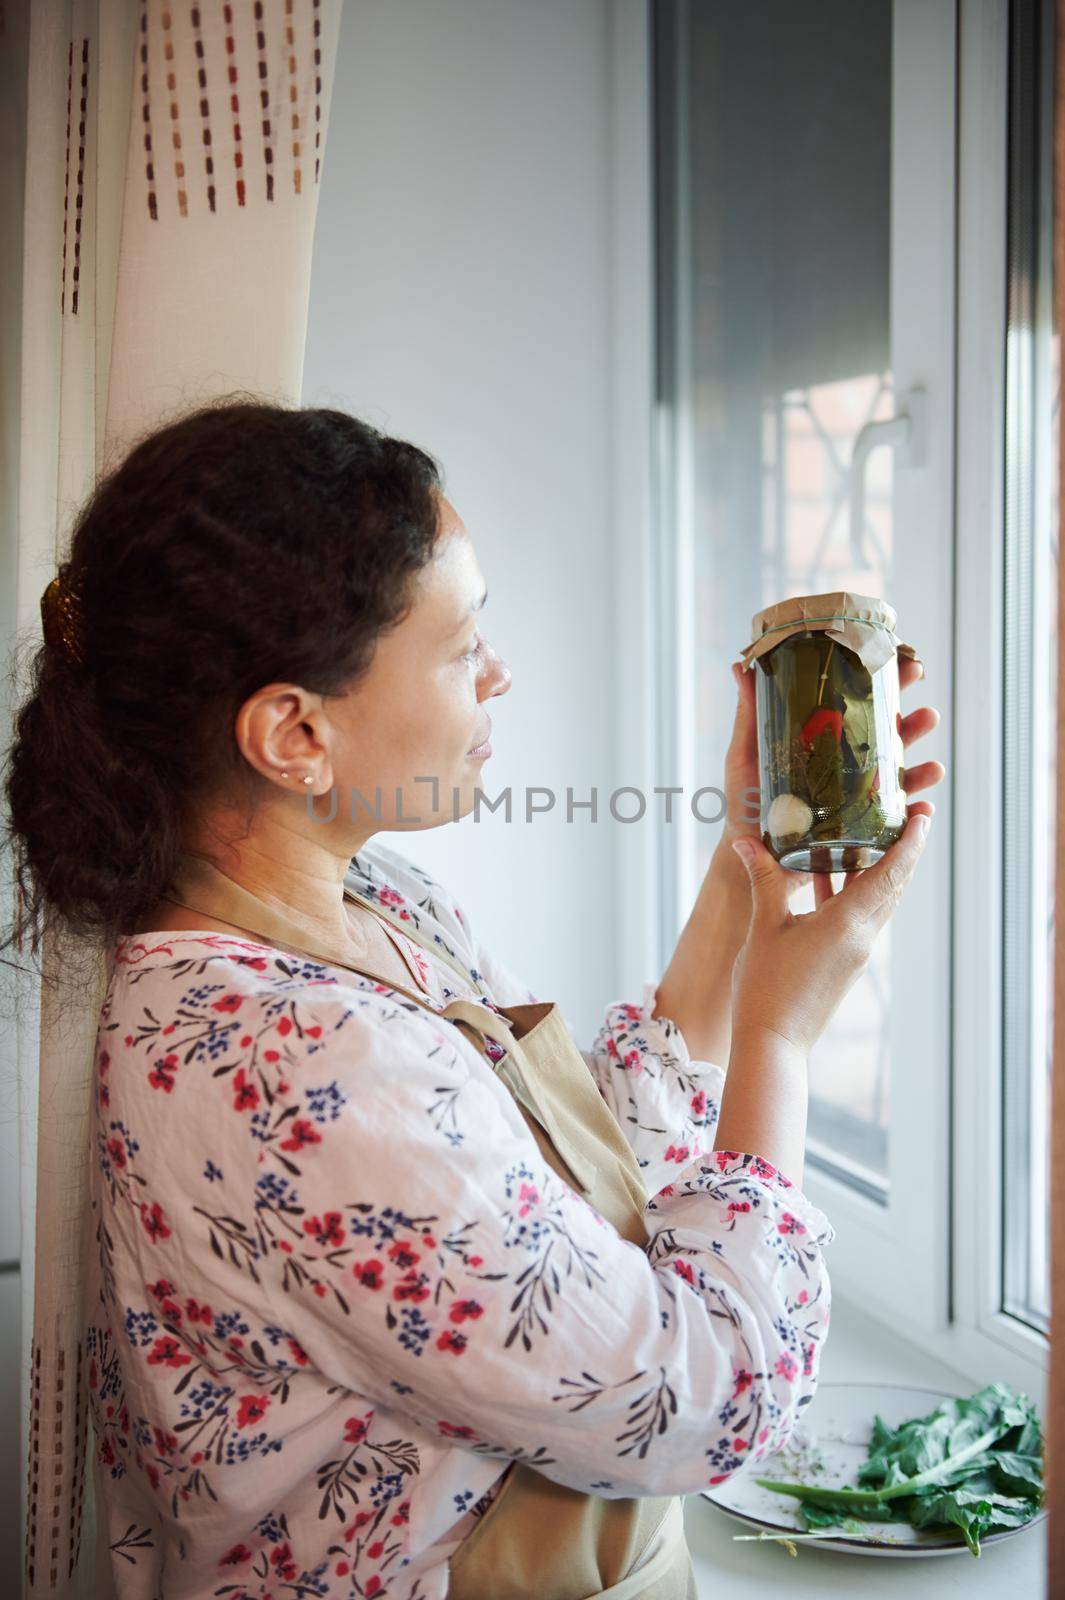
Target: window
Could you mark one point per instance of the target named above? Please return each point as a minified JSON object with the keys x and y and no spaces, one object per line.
{"x":1030,"y":583}
{"x":834,"y":233}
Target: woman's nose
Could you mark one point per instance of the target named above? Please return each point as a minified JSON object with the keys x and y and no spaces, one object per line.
{"x":496,"y":678}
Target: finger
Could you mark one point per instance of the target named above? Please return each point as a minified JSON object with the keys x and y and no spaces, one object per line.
{"x":872,"y":894}
{"x":824,"y":887}
{"x":911,"y":670}
{"x":771,"y":884}
{"x":918,"y":723}
{"x":923,"y":776}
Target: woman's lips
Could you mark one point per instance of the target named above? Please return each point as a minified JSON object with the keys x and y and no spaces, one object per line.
{"x":485,"y":747}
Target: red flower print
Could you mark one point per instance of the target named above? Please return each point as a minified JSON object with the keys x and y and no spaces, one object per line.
{"x":683,"y":1269}
{"x":165,"y":1443}
{"x":401,"y":1253}
{"x":117,"y":1151}
{"x":529,"y":1197}
{"x":739,"y":1205}
{"x":411,"y":1286}
{"x":235,"y":1557}
{"x":166,"y":1352}
{"x":303,"y":1133}
{"x":284,"y":1026}
{"x":742,"y":1379}
{"x":376,"y":1550}
{"x":739,"y":1444}
{"x":819,"y":719}
{"x":299,"y":1354}
{"x":326,"y":1229}
{"x":677,"y":1153}
{"x":313,"y":1033}
{"x":369,"y":1274}
{"x":228,"y":1002}
{"x":699,"y":1104}
{"x":162,"y":1288}
{"x":282,"y":1562}
{"x":475,"y":1261}
{"x":634,"y":1062}
{"x":105,"y":1062}
{"x":787,"y":1367}
{"x":356,"y":1428}
{"x":162,"y":1074}
{"x":804,"y":1295}
{"x":252,"y":1408}
{"x":465,"y":1308}
{"x":245,"y":1093}
{"x":374,"y":1585}
{"x":154,"y":1225}
{"x":790,"y":1224}
{"x":402,"y":1514}
{"x":152,"y":1473}
{"x":450,"y":1340}
{"x":720,"y":1477}
{"x":455,"y":1430}
{"x":724,"y":1157}
{"x":198,"y":1313}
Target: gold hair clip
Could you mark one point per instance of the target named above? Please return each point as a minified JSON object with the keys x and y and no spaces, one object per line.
{"x":61,"y":614}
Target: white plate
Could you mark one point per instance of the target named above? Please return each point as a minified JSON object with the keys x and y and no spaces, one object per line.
{"x":827,"y":1447}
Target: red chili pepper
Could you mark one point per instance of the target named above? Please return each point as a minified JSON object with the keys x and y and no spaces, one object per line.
{"x":817,"y":721}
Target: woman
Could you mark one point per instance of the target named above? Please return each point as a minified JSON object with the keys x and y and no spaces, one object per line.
{"x":395,"y":1292}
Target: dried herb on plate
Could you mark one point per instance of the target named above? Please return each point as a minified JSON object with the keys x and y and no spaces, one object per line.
{"x":976,"y":1464}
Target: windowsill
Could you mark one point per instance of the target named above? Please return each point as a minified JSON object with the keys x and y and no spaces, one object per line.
{"x":859,"y":1349}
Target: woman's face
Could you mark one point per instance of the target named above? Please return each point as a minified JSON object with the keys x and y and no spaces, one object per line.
{"x":421,"y":710}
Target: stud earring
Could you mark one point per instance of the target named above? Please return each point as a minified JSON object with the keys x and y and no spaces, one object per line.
{"x":307,"y":779}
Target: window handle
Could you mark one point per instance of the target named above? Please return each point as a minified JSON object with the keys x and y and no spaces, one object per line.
{"x":907,"y":434}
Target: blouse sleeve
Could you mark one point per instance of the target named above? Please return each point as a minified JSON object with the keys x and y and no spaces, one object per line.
{"x":427,"y":1255}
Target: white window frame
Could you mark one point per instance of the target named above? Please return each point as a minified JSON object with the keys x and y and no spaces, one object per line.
{"x":937,"y":1286}
{"x":982,"y":1336}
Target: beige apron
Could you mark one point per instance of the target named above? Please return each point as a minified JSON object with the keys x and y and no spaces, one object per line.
{"x":538,"y":1540}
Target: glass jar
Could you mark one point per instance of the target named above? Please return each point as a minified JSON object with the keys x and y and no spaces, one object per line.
{"x":830,"y":746}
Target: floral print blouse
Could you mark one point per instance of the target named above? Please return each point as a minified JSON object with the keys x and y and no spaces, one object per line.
{"x":336,"y":1289}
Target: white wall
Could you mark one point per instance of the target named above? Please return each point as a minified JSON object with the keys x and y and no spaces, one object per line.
{"x":461,"y":298}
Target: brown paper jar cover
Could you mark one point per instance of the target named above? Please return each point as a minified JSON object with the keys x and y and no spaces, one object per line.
{"x":862,"y":622}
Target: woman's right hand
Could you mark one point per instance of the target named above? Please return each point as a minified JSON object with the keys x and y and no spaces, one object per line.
{"x":794,"y":969}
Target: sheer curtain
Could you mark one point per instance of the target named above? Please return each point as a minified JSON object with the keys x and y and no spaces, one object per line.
{"x":173,"y":162}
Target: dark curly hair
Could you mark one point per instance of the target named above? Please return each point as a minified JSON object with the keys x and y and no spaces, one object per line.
{"x":241,"y":544}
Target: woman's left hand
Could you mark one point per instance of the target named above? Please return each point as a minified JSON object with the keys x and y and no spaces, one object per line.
{"x":742,"y":783}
